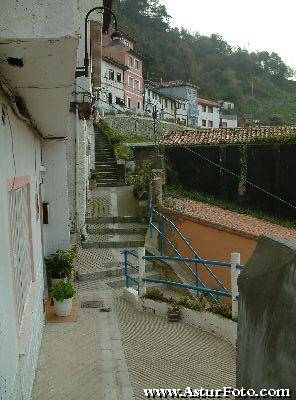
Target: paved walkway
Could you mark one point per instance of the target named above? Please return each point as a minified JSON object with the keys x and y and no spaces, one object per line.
{"x":161,"y":354}
{"x":115,"y":355}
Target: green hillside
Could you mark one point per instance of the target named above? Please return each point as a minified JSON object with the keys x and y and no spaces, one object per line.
{"x":257,"y":82}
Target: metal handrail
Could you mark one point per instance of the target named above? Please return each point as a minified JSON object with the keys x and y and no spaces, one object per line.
{"x":154,"y":211}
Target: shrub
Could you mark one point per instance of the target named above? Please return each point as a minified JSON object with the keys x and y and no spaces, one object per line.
{"x":123,"y":152}
{"x":62,"y":291}
{"x":60,"y":264}
{"x":196,"y":305}
{"x":221,"y":309}
{"x":155,"y":294}
{"x":174,"y":308}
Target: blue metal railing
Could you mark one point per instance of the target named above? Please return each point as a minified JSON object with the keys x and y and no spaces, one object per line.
{"x":199,"y":289}
{"x":128,"y":265}
{"x":197,"y":261}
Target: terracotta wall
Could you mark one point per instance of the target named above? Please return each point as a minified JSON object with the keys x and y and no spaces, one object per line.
{"x":211,"y":242}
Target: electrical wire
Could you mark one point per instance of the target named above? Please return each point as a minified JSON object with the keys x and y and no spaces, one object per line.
{"x":237,"y":176}
{"x":208,"y":160}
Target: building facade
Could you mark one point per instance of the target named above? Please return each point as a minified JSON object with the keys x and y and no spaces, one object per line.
{"x":168,"y":107}
{"x":112,"y":94}
{"x":44,"y":164}
{"x":187,"y":92}
{"x":209,"y":116}
{"x":133,"y":73}
{"x":228,"y":121}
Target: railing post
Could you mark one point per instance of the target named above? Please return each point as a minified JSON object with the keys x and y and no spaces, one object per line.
{"x":235,"y":259}
{"x":142,"y":272}
{"x":162,"y":235}
{"x":126,"y":269}
{"x":196,"y":278}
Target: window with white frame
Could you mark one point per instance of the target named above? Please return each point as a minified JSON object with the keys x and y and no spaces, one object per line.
{"x":210,"y":124}
{"x":119,"y":77}
{"x":130,"y":81}
{"x":204,"y":108}
{"x":139,"y":105}
{"x":20,"y":247}
{"x":130,"y":61}
{"x":137,"y":84}
{"x":210,"y":109}
{"x":137,"y":64}
{"x":204,"y":122}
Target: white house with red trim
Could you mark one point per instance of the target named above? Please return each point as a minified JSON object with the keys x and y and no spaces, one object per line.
{"x":38,"y":135}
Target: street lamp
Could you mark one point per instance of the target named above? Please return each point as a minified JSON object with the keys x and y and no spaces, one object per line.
{"x":117,"y":43}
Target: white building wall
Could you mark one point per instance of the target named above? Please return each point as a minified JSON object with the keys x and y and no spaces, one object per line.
{"x":111,"y":86}
{"x":56,"y":232}
{"x":230,"y":121}
{"x":207,"y":116}
{"x":46,"y":18}
{"x":18,"y":353}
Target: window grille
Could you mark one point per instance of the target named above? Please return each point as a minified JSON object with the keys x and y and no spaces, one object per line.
{"x":21,"y":256}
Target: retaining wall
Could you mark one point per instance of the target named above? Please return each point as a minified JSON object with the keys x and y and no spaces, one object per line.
{"x":267,"y":322}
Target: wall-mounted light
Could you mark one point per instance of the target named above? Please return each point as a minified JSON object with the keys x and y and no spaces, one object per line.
{"x":117,"y":44}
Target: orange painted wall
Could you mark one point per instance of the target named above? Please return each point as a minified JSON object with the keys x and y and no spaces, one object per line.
{"x":211,"y":243}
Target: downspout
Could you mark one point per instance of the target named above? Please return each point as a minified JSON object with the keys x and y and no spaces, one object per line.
{"x":77,"y":167}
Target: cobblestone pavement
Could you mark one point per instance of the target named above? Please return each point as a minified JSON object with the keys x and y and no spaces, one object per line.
{"x":161,"y":354}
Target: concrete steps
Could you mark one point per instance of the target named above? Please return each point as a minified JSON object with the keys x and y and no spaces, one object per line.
{"x":111,"y":219}
{"x":117,"y":228}
{"x":113,"y":241}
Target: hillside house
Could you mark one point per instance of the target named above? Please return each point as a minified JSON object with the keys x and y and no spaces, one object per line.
{"x":208,"y":113}
{"x":133,"y":73}
{"x":113,"y":90}
{"x":168,"y":107}
{"x":228,"y":119}
{"x":185,"y":91}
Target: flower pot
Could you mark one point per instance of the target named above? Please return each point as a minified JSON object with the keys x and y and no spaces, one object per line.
{"x":64,"y":308}
{"x":174,"y":316}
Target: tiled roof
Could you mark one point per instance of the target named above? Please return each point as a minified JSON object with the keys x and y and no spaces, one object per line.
{"x":206,"y":102}
{"x":114,"y":62}
{"x":241,"y":223}
{"x":205,"y":136}
{"x":176,"y":84}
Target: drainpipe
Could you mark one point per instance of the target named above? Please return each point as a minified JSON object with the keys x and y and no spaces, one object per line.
{"x":77,"y":168}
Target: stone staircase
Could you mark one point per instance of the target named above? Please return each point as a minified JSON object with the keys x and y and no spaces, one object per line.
{"x":105,"y":162}
{"x":100,"y":262}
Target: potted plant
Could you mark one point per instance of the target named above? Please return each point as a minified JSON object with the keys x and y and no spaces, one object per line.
{"x":60,"y":265}
{"x":63,"y":293}
{"x":93,"y":179}
{"x":174,"y":312}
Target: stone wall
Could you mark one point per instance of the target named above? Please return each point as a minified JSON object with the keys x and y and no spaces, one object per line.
{"x":267,"y":309}
{"x":141,"y":126}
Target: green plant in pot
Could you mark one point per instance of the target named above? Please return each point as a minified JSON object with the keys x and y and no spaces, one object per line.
{"x":141,"y":181}
{"x":63,"y":293}
{"x":93,"y":179}
{"x":60,"y":265}
{"x":174,"y":312}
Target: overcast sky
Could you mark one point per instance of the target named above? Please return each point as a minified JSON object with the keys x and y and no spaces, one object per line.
{"x":253,"y":24}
